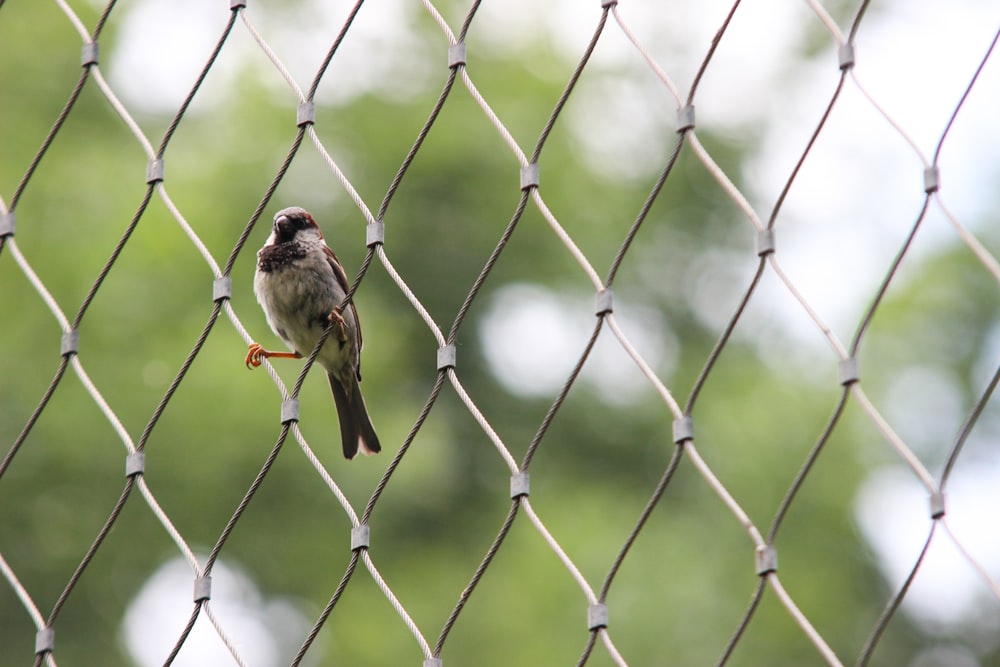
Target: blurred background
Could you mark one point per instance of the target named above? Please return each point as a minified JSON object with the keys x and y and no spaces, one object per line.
{"x":852,"y":534}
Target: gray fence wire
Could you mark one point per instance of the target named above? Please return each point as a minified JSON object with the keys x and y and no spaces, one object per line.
{"x":599,"y":632}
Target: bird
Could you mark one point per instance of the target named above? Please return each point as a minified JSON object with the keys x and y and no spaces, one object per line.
{"x":301,"y":286}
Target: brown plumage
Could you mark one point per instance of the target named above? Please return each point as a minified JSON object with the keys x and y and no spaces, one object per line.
{"x":301,"y":286}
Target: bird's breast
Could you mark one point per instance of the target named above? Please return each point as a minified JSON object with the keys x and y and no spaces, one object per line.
{"x":297,"y":292}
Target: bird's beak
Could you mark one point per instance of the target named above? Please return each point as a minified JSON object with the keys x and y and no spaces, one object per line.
{"x":282,"y":226}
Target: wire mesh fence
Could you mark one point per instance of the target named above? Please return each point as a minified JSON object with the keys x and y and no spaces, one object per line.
{"x":57,"y":213}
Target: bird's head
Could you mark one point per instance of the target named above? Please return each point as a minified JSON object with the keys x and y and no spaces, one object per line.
{"x":294,"y":224}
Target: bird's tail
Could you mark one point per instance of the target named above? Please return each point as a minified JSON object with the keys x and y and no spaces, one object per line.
{"x":356,"y":430}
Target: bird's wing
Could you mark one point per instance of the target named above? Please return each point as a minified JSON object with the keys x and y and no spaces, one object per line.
{"x":341,"y":276}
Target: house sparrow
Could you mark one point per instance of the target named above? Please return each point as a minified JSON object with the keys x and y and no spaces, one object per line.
{"x":301,"y":287}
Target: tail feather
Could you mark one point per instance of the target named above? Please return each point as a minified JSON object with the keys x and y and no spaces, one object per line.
{"x":369,"y":441}
{"x":356,"y":430}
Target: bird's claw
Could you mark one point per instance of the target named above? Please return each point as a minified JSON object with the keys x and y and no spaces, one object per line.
{"x":255,"y":355}
{"x":339,"y":325}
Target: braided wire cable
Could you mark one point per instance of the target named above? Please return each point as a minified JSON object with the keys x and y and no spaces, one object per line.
{"x":452,"y":390}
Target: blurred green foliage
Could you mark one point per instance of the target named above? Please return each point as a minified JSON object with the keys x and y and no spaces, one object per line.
{"x":686,"y":583}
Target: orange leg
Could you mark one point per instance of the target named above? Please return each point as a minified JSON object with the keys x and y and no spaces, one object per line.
{"x":256,"y":354}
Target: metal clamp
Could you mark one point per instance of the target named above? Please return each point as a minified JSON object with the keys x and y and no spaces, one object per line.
{"x":683,"y":430}
{"x":529,"y":176}
{"x":520,"y":485}
{"x":202,"y":588}
{"x":849,"y":371}
{"x":306,"y":113}
{"x":685,"y":118}
{"x":846,"y":56}
{"x":88,"y":55}
{"x":932,"y":179}
{"x":766,"y":559}
{"x":154,"y":172}
{"x":360,"y":537}
{"x":446,"y":357}
{"x":45,"y":641}
{"x":597,"y":616}
{"x":937,"y":504}
{"x":605,"y":302}
{"x":70,"y":343}
{"x":289,"y":410}
{"x":765,"y":242}
{"x":456,"y":55}
{"x":135,"y":464}
{"x":7,"y":224}
{"x":222,"y":288}
{"x":375,"y":233}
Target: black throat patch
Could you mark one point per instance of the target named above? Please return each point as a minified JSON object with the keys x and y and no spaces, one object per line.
{"x":279,"y":256}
